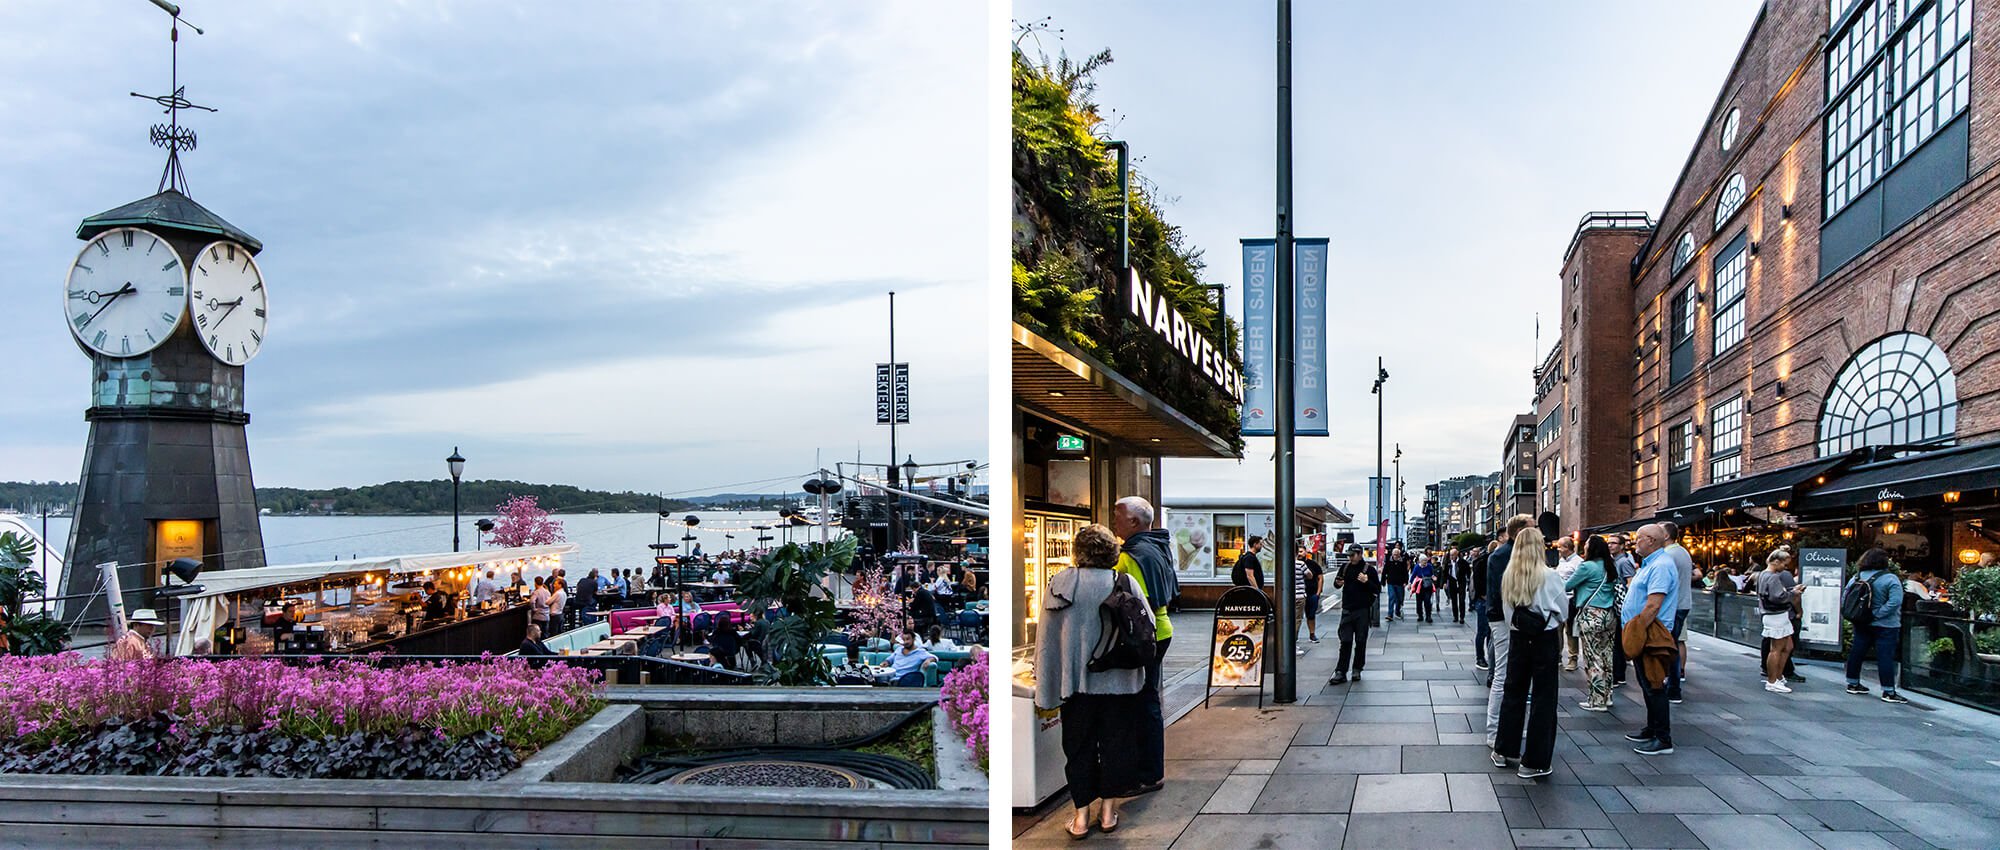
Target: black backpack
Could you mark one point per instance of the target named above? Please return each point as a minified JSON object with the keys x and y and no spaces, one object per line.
{"x":1127,"y":643}
{"x":1857,"y":601}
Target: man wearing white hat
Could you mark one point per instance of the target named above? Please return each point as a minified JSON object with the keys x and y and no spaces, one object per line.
{"x":139,"y":628}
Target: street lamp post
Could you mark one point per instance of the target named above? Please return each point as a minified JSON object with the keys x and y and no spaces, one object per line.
{"x":1377,"y":496}
{"x":909,"y":483}
{"x":457,"y":466}
{"x":1396,"y":515}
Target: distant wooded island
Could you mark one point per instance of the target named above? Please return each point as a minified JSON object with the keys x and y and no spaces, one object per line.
{"x":420,"y":497}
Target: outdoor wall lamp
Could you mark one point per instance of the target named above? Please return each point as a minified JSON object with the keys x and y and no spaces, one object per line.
{"x":1885,"y":506}
{"x":1781,"y":389}
{"x":1753,"y":249}
{"x":1697,"y":429}
{"x":1847,"y":532}
{"x":1889,"y":528}
{"x":1951,"y":497}
{"x":1784,"y":212}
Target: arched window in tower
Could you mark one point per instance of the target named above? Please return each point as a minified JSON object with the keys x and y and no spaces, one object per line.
{"x":1897,"y":390}
{"x":1683,"y":252}
{"x":1730,"y":199}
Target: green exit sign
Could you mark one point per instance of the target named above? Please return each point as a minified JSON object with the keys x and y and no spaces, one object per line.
{"x":1069,"y":443}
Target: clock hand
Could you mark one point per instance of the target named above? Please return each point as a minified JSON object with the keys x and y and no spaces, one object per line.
{"x":127,"y":289}
{"x":232,"y":305}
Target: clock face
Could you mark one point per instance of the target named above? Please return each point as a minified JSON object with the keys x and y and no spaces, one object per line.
{"x":127,"y":292}
{"x":228,"y":302}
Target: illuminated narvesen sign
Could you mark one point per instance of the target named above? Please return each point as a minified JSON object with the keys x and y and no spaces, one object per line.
{"x":1152,"y":309}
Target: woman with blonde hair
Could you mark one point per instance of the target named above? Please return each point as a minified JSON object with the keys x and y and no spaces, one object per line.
{"x":1100,"y":710}
{"x":1777,"y":591}
{"x":1534,"y":604}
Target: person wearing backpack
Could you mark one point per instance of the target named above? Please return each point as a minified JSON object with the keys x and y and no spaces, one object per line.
{"x":1593,"y":596}
{"x":1873,"y":602}
{"x":1100,"y":705}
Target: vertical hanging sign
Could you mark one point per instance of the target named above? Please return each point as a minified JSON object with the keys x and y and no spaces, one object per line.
{"x":1259,"y":415}
{"x":1309,"y":342}
{"x":902,"y":393}
{"x":884,"y":407}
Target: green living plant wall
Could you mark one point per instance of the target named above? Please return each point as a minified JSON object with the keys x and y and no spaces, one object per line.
{"x":1065,"y":270}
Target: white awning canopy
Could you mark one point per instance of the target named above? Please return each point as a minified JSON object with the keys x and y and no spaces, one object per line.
{"x":526,"y":558}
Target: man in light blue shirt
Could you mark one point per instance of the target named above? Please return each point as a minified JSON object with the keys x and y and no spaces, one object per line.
{"x":1655,"y":594}
{"x":907,"y":663}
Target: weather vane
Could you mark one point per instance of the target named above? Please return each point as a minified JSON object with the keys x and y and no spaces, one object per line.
{"x":172,"y":135}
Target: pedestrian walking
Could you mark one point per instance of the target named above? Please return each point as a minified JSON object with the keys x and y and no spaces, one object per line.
{"x":1651,"y":605}
{"x":1482,"y":631}
{"x":1778,"y":593}
{"x":1423,"y":584}
{"x":1143,"y":556}
{"x":1456,"y":572}
{"x":1534,"y":606}
{"x":1315,"y":575}
{"x":1395,"y":576}
{"x":1684,"y":567}
{"x":1878,"y":625}
{"x":1098,"y":708}
{"x":1496,"y":567}
{"x":1594,"y":597}
{"x":1249,"y":569}
{"x":1360,"y":585}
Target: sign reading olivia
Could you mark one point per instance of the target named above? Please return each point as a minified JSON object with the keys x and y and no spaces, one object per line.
{"x":1153,"y":310}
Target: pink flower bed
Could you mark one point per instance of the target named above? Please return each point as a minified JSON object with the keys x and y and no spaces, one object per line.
{"x":48,"y":699}
{"x":963,"y":696}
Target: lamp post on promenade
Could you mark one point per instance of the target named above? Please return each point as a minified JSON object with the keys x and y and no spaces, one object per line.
{"x":457,"y":466}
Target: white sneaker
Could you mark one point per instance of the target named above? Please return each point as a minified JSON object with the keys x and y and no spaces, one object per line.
{"x":1777,"y":687}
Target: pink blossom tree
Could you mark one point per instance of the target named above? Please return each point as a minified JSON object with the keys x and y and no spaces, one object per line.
{"x":521,"y":522}
{"x":879,"y":610}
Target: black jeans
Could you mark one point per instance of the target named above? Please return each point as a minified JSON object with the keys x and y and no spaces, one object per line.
{"x":1152,"y":732}
{"x":1457,"y":604}
{"x":1884,"y":641}
{"x":1659,"y":721}
{"x":1424,"y":607}
{"x":1097,"y":743}
{"x":1482,"y":631}
{"x":1532,"y":660}
{"x":1680,"y":661}
{"x":1353,"y":632}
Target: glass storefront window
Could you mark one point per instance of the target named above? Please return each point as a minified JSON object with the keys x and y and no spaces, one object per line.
{"x":1231,"y":538}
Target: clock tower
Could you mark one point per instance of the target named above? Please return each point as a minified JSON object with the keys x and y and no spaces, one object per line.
{"x":167,"y":302}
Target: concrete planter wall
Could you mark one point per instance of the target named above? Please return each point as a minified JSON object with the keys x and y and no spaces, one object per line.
{"x":557,"y":799}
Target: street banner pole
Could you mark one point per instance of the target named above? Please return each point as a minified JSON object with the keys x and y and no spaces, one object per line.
{"x":1284,"y":665}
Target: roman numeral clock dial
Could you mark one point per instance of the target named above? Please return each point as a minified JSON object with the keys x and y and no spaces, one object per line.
{"x":126,"y":293}
{"x":227,"y":298}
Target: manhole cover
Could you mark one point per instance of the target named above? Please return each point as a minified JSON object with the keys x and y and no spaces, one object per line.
{"x":770,"y":774}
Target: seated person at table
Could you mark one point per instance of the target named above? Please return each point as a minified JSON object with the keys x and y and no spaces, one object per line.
{"x":855,"y":671}
{"x":723,"y":644}
{"x":623,"y":583}
{"x":923,"y":607}
{"x":907,"y":663}
{"x":936,"y":641}
{"x":906,"y":581}
{"x":941,"y":584}
{"x":968,"y":585}
{"x":720,"y":576}
{"x":531,"y":643}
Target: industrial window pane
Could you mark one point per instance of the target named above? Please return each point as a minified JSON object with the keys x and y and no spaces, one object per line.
{"x":1732,"y":276}
{"x":1897,"y":390}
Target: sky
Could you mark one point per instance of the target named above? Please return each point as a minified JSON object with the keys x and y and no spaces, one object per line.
{"x":1447,"y":150}
{"x":621,"y":245}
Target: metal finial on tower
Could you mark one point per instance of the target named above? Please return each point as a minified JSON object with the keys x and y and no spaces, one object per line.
{"x":172,"y":135}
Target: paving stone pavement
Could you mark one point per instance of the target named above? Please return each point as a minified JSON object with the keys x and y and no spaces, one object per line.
{"x":1398,"y":759}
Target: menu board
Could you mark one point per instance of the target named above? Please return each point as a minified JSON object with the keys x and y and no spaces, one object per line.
{"x":1821,"y":571}
{"x":1236,"y":650}
{"x":1194,"y":542}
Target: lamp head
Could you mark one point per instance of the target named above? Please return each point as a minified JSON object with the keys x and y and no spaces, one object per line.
{"x":456,"y":464}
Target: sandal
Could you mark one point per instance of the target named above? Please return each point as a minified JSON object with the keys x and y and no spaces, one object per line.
{"x":1078,"y":836}
{"x":1110,"y":822}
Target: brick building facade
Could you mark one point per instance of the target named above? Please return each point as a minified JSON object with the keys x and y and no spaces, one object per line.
{"x":1821,"y":280}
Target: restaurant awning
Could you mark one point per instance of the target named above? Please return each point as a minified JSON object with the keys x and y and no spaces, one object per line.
{"x":1053,"y":378}
{"x":1763,"y":490}
{"x":226,"y":582}
{"x":1934,"y":473}
{"x":1622,"y":527}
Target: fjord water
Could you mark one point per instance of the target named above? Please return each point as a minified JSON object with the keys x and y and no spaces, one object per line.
{"x":604,"y":541}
